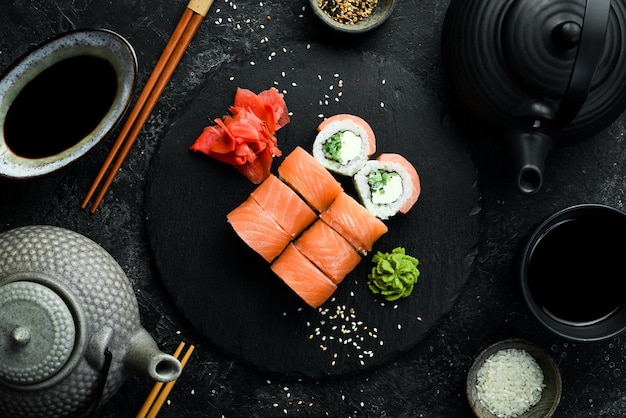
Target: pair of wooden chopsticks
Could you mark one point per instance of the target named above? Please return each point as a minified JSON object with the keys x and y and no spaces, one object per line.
{"x":157,"y":396}
{"x":174,"y":50}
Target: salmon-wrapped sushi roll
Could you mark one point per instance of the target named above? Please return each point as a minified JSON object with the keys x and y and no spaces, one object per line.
{"x":328,"y":250}
{"x":354,"y":222}
{"x":344,"y":143}
{"x":309,"y":179}
{"x":303,"y":277}
{"x":284,"y":205}
{"x":388,"y":185}
{"x":257,"y":229}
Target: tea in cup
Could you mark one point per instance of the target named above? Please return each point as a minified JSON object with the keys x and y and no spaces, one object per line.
{"x":572,"y":272}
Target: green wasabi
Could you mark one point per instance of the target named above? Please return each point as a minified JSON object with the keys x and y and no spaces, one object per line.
{"x":332,"y":148}
{"x":394,"y":274}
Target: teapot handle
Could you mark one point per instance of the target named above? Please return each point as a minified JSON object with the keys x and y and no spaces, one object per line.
{"x":592,"y":36}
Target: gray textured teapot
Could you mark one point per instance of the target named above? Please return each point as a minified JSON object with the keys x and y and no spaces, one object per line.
{"x":69,"y":326}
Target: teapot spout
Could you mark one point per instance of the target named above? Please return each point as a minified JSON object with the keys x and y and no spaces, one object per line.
{"x":529,"y":151}
{"x":144,"y":358}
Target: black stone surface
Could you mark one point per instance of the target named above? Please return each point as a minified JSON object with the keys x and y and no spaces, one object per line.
{"x":230,"y":294}
{"x":429,"y":380}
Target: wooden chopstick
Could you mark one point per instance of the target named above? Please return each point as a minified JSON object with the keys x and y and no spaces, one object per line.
{"x":157,"y":387}
{"x":160,"y":391}
{"x":174,"y":50}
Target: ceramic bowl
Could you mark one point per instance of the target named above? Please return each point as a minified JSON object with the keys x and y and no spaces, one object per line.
{"x":551,"y":393}
{"x":378,"y":16}
{"x":61,"y":99}
{"x":578,"y":300}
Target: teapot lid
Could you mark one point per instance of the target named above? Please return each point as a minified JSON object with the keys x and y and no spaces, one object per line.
{"x":37,"y":333}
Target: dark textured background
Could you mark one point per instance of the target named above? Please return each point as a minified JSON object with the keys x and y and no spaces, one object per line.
{"x":426,"y":382}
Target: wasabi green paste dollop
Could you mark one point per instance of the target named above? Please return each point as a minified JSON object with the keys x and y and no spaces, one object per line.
{"x":394,"y":274}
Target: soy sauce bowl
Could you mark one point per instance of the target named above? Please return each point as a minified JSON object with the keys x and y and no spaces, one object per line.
{"x":550,"y":394}
{"x":377,"y":17}
{"x":569,"y":271}
{"x":61,"y":99}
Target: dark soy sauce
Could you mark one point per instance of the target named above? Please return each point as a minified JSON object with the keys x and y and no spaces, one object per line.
{"x":60,"y":106}
{"x":576,"y":273}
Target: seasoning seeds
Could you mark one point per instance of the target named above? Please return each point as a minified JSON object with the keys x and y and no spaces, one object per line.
{"x":347,"y":11}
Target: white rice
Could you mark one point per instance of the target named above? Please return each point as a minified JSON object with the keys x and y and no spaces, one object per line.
{"x":509,"y":382}
{"x":347,"y":168}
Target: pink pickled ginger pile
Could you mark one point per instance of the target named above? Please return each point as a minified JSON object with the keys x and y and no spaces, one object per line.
{"x":246,"y":138}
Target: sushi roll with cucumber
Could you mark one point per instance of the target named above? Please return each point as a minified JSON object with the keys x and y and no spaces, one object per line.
{"x":344,"y":143}
{"x":388,"y":185}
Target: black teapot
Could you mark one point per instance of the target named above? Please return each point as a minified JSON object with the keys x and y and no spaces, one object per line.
{"x":537,"y":73}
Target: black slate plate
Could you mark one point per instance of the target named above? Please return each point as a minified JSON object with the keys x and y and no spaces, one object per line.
{"x":229,"y":293}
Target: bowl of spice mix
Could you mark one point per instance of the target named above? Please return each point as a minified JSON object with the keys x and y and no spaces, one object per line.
{"x":513,"y":379}
{"x":353,"y":16}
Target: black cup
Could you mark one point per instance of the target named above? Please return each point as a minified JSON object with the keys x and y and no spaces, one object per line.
{"x":573,"y":269}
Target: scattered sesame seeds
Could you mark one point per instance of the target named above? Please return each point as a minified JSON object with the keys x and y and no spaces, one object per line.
{"x":347,"y":11}
{"x":340,"y":327}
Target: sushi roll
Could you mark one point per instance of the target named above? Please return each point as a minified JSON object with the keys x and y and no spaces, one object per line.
{"x":308,"y":177}
{"x":303,"y":277}
{"x":328,"y":250}
{"x":388,"y":185}
{"x":354,"y":222}
{"x":257,"y":229}
{"x":284,"y":205}
{"x":344,"y":143}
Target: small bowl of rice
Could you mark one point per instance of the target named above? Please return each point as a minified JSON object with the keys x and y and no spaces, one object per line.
{"x":353,"y":16}
{"x":513,"y":379}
